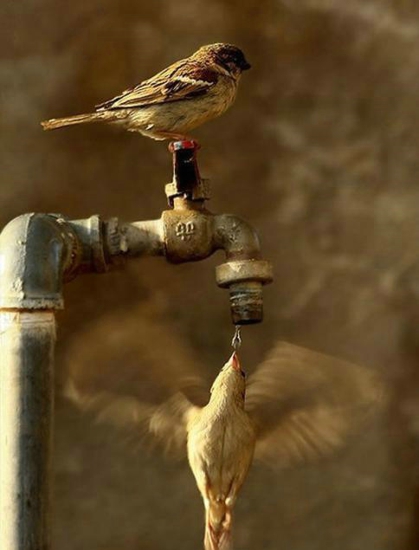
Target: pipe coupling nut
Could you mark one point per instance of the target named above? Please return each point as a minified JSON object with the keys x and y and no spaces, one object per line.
{"x":239,"y":271}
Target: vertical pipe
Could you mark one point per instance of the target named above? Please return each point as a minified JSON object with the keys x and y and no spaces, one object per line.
{"x":26,"y":396}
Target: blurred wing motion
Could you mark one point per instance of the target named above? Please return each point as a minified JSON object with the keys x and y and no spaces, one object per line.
{"x":304,"y":404}
{"x":165,"y":423}
{"x":147,"y":385}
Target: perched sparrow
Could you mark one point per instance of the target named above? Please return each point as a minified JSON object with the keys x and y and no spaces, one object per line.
{"x":297,"y":406}
{"x":175,"y":101}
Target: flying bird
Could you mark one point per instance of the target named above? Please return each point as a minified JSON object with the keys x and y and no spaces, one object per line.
{"x":176,"y":100}
{"x":296,"y":407}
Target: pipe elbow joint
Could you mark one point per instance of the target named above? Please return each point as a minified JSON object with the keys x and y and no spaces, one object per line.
{"x":38,"y":252}
{"x":245,"y":272}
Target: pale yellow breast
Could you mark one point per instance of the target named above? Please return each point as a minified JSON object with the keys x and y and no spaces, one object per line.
{"x":220,"y":447}
{"x":183,"y":116}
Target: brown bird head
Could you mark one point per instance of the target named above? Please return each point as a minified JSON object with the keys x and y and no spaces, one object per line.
{"x":226,"y":56}
{"x":230,"y":382}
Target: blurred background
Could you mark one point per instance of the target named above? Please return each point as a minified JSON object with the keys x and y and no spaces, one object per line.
{"x":320,"y":155}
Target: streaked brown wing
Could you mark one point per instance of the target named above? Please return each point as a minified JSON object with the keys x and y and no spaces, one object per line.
{"x":182,"y":80}
{"x":305,"y":404}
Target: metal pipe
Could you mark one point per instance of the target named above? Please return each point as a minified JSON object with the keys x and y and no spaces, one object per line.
{"x":26,"y":396}
{"x":236,"y":237}
{"x":136,"y":239}
{"x":38,"y":252}
{"x":189,"y":232}
{"x":244,"y":273}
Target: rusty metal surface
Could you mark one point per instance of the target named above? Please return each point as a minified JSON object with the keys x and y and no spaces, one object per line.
{"x":201,"y":191}
{"x":188,"y":234}
{"x":237,"y":237}
{"x":135,"y":239}
{"x":244,"y":279}
{"x":186,"y":180}
{"x":237,"y":271}
{"x":36,"y":250}
{"x":246,"y":302}
{"x":89,"y":234}
{"x":39,"y":252}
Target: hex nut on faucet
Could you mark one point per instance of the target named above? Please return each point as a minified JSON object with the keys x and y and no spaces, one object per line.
{"x":244,"y":279}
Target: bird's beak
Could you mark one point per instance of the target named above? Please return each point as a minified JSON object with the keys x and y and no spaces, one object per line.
{"x":234,"y":362}
{"x":245,"y":66}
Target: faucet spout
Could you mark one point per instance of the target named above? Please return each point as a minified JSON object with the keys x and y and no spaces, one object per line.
{"x":236,"y":237}
{"x":245,"y":272}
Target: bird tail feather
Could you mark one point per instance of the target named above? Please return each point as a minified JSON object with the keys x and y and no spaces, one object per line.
{"x":217,"y":527}
{"x":55,"y":123}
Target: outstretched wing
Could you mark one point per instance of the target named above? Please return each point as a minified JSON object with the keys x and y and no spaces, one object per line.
{"x":164,"y":424}
{"x":133,"y":372}
{"x":305,"y":404}
{"x":183,"y":80}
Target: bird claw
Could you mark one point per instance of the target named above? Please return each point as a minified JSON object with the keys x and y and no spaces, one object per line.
{"x":183,"y":144}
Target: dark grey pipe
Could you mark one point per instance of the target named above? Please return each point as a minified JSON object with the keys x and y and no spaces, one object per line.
{"x":26,"y":386}
{"x":139,"y":239}
{"x":38,"y":252}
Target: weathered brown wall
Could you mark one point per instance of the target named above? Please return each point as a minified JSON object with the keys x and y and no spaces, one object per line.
{"x":320,"y":154}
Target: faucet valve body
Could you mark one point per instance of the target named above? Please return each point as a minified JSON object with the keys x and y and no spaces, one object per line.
{"x":187,"y":234}
{"x":192,"y":233}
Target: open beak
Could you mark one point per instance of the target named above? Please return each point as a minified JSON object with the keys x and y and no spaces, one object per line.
{"x":234,"y":361}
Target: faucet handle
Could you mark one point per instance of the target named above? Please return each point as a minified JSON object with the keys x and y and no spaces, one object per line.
{"x":187,"y":181}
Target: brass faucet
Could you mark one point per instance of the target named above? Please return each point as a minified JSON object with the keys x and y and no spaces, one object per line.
{"x":189,"y":232}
